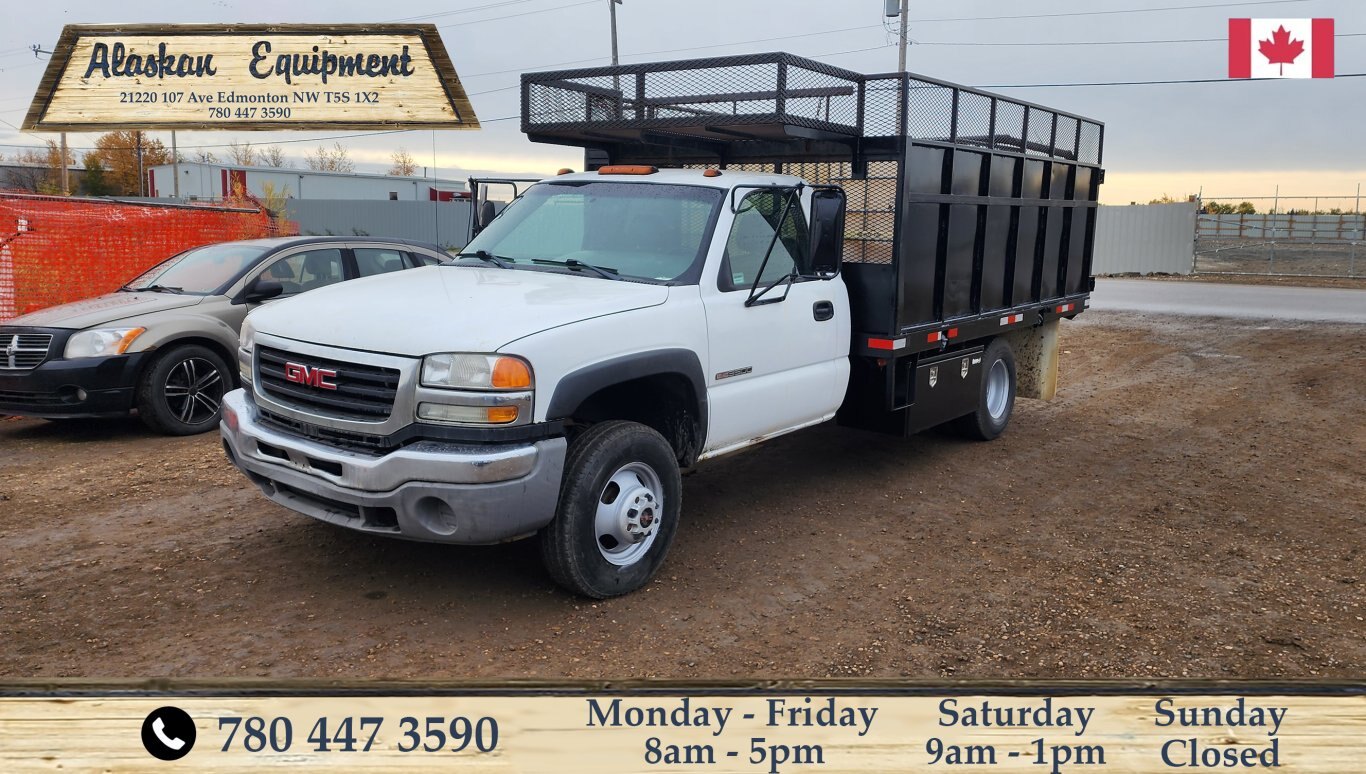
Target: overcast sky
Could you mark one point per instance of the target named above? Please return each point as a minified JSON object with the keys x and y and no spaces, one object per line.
{"x":1231,"y":138}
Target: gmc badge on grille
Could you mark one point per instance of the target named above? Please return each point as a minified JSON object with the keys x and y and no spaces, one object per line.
{"x":313,"y":377}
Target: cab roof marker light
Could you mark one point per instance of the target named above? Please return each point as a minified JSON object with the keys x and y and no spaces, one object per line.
{"x":711,"y":173}
{"x":627,"y":169}
{"x":565,"y":171}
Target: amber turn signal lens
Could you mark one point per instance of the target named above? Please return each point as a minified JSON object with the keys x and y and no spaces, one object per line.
{"x":510,"y":373}
{"x":502,"y":415}
{"x":627,"y":169}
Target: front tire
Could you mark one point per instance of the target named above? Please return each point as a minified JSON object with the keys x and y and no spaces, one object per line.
{"x":618,"y":511}
{"x":181,"y":393}
{"x":996,"y":401}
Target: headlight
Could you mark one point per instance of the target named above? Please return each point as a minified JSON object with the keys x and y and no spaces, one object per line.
{"x":101,"y":342}
{"x":475,"y":372}
{"x":247,"y":338}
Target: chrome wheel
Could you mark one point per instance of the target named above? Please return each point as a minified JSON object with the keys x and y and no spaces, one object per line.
{"x":998,"y":389}
{"x":194,"y":390}
{"x":628,"y":515}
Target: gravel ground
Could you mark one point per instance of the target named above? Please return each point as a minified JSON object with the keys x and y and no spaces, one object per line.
{"x":1192,"y":504}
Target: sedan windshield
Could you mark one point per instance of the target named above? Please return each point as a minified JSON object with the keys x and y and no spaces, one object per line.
{"x":652,"y":232}
{"x":199,"y":271}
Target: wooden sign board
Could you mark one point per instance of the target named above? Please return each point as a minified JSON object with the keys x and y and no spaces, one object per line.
{"x":245,"y":77}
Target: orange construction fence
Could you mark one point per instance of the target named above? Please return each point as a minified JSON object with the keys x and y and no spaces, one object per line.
{"x":56,"y":249}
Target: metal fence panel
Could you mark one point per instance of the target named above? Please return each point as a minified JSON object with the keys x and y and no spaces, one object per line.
{"x":1288,"y":244}
{"x":1145,"y":238}
{"x":444,"y":223}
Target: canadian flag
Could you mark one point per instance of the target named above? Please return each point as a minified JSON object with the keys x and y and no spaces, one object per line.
{"x":1280,"y":48}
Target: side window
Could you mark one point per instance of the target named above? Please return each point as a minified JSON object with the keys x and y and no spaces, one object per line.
{"x":306,"y":271}
{"x":377,"y":260}
{"x":750,"y":235}
{"x":422,"y":259}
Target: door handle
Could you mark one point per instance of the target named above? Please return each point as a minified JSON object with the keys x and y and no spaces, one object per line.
{"x":822,"y":310}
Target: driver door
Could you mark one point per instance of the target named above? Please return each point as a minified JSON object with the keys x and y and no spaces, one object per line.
{"x":774,"y":366}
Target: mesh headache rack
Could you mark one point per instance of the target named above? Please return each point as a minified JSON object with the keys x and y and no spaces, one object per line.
{"x":776,"y":106}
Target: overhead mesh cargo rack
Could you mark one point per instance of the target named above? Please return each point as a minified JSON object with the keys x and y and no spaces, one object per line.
{"x":963,"y":205}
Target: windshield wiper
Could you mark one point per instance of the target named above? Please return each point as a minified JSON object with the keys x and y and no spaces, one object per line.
{"x":154,"y":289}
{"x":488,"y":257}
{"x":573,"y":263}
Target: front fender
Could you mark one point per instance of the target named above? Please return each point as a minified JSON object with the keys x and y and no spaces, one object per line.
{"x":578,"y":385}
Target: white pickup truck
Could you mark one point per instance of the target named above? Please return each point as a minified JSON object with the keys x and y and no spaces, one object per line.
{"x":613,"y":327}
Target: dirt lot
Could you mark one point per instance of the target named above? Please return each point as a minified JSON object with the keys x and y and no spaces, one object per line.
{"x":1193,"y":503}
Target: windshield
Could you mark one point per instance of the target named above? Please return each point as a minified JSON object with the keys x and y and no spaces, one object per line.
{"x":652,"y":232}
{"x":201,"y":270}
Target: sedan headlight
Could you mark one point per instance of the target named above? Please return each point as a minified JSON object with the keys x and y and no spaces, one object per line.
{"x":101,"y":342}
{"x":460,"y":371}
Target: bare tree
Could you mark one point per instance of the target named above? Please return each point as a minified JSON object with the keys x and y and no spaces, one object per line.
{"x":38,"y":170}
{"x":273,"y":156}
{"x":335,"y":159}
{"x":242,"y":154}
{"x":403,"y":165}
{"x":28,"y":171}
{"x":205,"y":156}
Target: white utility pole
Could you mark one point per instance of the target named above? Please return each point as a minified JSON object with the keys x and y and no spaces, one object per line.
{"x":900,"y":8}
{"x":175,"y":167}
{"x":612,"y":4}
{"x":905,"y":22}
{"x":616,"y":79}
{"x":66,"y":173}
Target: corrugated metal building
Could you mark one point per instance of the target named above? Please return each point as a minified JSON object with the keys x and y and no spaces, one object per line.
{"x":1145,"y":238}
{"x":200,"y":181}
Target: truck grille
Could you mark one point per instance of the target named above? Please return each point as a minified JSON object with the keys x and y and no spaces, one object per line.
{"x":363,"y":392}
{"x":23,"y":351}
{"x":374,"y":445}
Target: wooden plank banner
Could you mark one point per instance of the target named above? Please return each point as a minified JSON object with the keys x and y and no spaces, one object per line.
{"x":250,"y":77}
{"x":829,"y":727}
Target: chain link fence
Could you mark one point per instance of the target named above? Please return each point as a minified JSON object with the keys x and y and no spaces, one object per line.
{"x":1314,"y":236}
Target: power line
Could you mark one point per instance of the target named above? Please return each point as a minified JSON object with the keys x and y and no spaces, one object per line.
{"x":460,"y":11}
{"x":1106,"y":13}
{"x":1105,"y":42}
{"x":1147,"y":83}
{"x":556,"y":8}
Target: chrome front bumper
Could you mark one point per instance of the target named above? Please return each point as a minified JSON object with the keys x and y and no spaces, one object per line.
{"x":433,"y":491}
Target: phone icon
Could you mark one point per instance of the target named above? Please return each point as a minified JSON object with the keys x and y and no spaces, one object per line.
{"x":159,"y":728}
{"x":168,"y":733}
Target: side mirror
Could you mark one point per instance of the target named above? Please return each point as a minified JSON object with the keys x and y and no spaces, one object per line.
{"x":827,"y":230}
{"x":262,"y":290}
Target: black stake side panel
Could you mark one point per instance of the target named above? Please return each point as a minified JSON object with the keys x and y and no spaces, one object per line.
{"x":980,"y":232}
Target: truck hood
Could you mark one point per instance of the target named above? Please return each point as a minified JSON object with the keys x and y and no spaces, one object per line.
{"x":105,"y":309}
{"x":448,"y":309}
